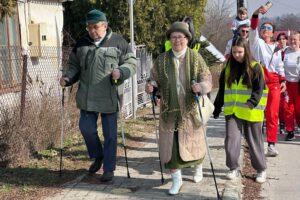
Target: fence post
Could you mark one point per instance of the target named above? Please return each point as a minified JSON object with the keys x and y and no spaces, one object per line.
{"x":23,"y":87}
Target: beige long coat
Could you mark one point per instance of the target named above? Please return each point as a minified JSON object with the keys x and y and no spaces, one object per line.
{"x":190,"y":136}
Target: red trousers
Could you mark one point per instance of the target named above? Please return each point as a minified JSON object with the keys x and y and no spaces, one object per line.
{"x":272,"y":110}
{"x":293,"y":106}
{"x":282,"y":108}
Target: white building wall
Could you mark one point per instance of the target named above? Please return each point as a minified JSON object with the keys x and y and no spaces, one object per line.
{"x":41,"y":11}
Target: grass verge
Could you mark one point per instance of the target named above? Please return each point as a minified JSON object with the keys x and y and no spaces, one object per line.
{"x":40,"y":177}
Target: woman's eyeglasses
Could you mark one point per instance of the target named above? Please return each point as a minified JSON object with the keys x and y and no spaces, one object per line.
{"x":180,"y":38}
{"x":268,"y":28}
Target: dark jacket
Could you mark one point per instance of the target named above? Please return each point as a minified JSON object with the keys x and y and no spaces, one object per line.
{"x":92,"y":67}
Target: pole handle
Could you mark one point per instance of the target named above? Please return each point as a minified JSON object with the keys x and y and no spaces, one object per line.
{"x":197,"y":95}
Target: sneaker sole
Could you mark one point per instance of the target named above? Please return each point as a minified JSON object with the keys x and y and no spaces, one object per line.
{"x":260,"y":181}
{"x":176,"y":193}
{"x":272,"y":155}
{"x":290,"y":139}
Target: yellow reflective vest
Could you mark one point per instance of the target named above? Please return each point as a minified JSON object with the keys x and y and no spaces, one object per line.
{"x":235,"y":99}
{"x":168,"y":45}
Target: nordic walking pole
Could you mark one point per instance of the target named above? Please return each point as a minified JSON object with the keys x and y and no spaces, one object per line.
{"x":153,"y":111}
{"x":62,"y":130}
{"x":124,"y":145}
{"x":207,"y":147}
{"x":122,"y":130}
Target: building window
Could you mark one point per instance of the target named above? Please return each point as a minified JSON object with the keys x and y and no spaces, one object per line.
{"x":10,"y":54}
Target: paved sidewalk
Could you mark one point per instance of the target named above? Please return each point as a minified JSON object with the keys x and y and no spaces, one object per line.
{"x":145,"y":181}
{"x":283,"y":171}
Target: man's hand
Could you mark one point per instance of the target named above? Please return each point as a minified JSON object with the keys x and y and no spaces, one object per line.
{"x":282,"y":87}
{"x":149,"y":88}
{"x":63,"y":81}
{"x":115,"y":74}
{"x":262,"y":10}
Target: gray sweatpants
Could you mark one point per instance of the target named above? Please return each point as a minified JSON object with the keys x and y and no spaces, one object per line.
{"x":254,"y":137}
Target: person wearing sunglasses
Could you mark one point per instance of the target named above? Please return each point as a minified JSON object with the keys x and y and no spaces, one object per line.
{"x":264,"y":50}
{"x":243,"y":31}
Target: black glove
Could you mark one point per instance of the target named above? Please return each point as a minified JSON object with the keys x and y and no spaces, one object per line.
{"x":216,"y":113}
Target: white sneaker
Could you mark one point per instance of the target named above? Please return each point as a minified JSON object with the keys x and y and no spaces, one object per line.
{"x":198,"y":175}
{"x":176,"y":182}
{"x":261,"y":177}
{"x":232,"y":174}
{"x":272,"y":151}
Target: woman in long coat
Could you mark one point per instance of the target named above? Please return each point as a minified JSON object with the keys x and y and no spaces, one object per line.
{"x":181,"y":137}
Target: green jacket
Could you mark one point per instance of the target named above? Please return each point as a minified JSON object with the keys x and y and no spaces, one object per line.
{"x":92,"y":67}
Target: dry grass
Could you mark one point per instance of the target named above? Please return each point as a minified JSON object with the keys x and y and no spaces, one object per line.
{"x":40,"y":176}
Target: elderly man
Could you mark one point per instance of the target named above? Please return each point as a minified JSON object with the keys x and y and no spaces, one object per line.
{"x":243,"y":32}
{"x":101,"y":60}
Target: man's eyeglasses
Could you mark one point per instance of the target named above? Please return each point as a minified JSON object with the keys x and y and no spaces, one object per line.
{"x":244,"y":31}
{"x":90,"y":27}
{"x":268,"y":28}
{"x":173,"y":38}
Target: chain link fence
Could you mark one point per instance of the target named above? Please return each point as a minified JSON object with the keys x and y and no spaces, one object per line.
{"x":30,"y":98}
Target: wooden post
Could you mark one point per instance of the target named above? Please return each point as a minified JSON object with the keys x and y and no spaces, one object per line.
{"x":23,"y":87}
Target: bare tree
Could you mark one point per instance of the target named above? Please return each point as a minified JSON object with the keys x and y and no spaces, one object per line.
{"x":218,"y":20}
{"x":288,"y":22}
{"x":284,"y":22}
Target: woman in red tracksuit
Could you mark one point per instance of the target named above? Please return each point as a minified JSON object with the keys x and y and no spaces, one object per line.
{"x":264,"y":50}
{"x":292,"y":74}
{"x":282,"y":40}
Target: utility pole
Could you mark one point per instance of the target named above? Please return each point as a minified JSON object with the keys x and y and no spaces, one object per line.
{"x":242,"y":3}
{"x":134,"y":77}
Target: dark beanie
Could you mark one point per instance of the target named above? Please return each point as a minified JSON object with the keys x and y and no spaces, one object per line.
{"x":95,"y":16}
{"x":179,"y":27}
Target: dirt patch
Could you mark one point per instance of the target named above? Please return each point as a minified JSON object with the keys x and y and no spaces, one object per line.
{"x":251,"y":190}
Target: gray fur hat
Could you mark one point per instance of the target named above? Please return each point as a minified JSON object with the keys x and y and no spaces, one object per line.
{"x":179,"y":27}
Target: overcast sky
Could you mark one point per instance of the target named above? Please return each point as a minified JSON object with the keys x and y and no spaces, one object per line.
{"x":279,"y":7}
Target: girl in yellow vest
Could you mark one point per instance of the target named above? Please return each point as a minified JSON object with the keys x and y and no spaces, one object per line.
{"x":243,"y":94}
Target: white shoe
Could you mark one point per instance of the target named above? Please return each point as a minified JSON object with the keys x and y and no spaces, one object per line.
{"x":232,"y":174}
{"x":272,"y":151}
{"x":176,"y":182}
{"x":261,"y":177}
{"x":198,"y":175}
